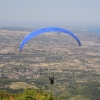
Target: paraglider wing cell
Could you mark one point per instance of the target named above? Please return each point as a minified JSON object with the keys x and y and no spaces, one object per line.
{"x":44,"y":30}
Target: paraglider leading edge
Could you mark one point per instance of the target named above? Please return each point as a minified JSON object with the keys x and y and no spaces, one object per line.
{"x":44,"y":30}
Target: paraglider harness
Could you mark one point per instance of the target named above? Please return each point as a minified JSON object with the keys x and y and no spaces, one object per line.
{"x":51,"y":78}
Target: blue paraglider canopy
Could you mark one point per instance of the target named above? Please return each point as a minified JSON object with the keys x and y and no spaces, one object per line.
{"x":47,"y":29}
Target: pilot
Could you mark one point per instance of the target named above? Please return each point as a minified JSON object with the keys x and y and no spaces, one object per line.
{"x":51,"y":78}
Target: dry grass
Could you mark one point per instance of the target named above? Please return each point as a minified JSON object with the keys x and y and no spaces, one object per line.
{"x":21,"y":85}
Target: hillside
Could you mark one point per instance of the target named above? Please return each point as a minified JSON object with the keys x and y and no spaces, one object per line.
{"x":48,"y":54}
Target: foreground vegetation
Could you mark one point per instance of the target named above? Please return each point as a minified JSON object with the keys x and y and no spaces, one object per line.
{"x":72,"y":91}
{"x":28,"y":94}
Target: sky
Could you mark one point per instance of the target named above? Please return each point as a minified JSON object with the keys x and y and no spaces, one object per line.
{"x":48,"y":12}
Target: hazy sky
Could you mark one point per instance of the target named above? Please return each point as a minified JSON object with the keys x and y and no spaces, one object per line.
{"x":25,"y":12}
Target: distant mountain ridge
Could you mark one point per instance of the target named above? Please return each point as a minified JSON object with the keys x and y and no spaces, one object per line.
{"x":17,"y":28}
